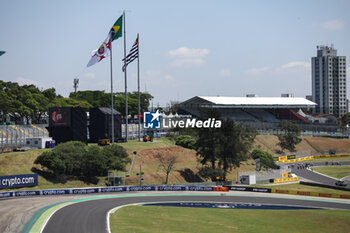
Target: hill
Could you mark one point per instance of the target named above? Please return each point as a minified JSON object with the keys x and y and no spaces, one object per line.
{"x":185,"y":169}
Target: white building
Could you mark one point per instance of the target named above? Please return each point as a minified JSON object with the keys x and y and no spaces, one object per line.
{"x":329,"y":82}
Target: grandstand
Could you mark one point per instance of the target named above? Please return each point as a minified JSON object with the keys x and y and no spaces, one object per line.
{"x":259,"y":112}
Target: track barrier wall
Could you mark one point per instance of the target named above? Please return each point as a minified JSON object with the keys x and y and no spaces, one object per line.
{"x":315,"y":194}
{"x":108,"y":190}
{"x":163,"y":188}
{"x":284,"y":159}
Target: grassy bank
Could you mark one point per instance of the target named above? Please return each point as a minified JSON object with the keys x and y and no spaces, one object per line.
{"x":185,"y":169}
{"x":175,"y":219}
{"x":334,"y":171}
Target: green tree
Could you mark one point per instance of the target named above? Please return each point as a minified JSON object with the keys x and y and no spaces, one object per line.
{"x":266,"y":159}
{"x":116,"y":156}
{"x":291,"y":136}
{"x":235,"y":143}
{"x":186,"y":141}
{"x":102,"y":99}
{"x":64,"y":160}
{"x":345,"y":120}
{"x":208,"y":143}
{"x":94,"y":163}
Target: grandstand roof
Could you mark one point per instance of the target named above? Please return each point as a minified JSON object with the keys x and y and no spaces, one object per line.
{"x":248,"y":102}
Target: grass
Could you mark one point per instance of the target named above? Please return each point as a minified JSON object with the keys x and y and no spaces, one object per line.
{"x":306,"y":188}
{"x":22,"y":163}
{"x":186,"y":219}
{"x":328,"y":159}
{"x":334,"y":171}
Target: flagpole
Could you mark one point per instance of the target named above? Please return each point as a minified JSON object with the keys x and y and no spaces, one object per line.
{"x":138,"y":86}
{"x":126,"y":86}
{"x":112,"y":112}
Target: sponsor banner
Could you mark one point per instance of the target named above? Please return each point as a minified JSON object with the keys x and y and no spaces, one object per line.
{"x":171,"y":188}
{"x":27,"y":193}
{"x":6,"y":194}
{"x":200,"y":188}
{"x":249,"y":189}
{"x":55,"y":192}
{"x":282,"y":180}
{"x":282,"y":158}
{"x":291,"y":157}
{"x":142,"y":188}
{"x":18,"y":181}
{"x":85,"y":191}
{"x":297,"y":160}
{"x":113,"y":189}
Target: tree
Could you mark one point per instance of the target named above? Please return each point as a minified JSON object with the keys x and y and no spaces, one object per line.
{"x":266,"y":159}
{"x":116,"y":156}
{"x":345,"y":120}
{"x":186,"y":141}
{"x":224,"y":147}
{"x":208,"y":145}
{"x":167,"y":163}
{"x":235,"y":143}
{"x":291,"y":136}
{"x":102,"y":99}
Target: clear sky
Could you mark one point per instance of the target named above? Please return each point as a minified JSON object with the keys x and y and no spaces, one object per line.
{"x":187,"y":48}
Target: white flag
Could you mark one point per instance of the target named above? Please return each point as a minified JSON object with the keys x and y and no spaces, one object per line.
{"x":102,"y":52}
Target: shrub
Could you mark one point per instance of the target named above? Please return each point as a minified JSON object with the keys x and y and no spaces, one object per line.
{"x":186,"y":141}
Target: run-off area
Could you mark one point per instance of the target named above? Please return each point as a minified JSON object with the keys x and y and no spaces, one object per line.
{"x":227,"y":217}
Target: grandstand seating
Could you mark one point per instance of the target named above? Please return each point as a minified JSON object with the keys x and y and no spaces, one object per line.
{"x":237,"y":115}
{"x":288,"y":114}
{"x":262,"y":115}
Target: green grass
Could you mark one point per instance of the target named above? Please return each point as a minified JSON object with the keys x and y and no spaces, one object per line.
{"x":328,"y":159}
{"x":135,"y":145}
{"x":176,"y":219}
{"x":306,"y":188}
{"x":334,"y":171}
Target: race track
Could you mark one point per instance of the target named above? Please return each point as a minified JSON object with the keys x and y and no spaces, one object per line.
{"x":316,"y":177}
{"x":90,"y":216}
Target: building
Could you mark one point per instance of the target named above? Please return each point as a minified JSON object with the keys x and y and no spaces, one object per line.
{"x":261,"y":113}
{"x":329,"y":82}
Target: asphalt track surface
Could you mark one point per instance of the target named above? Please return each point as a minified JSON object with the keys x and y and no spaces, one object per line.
{"x":313,"y":176}
{"x":90,"y":216}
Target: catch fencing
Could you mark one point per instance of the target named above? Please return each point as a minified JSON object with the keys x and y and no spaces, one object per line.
{"x":14,"y":136}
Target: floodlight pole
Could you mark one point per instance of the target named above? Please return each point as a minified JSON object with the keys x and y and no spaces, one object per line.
{"x":126,"y":86}
{"x":112,"y":102}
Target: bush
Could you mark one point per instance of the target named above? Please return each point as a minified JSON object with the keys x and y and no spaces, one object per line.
{"x":186,"y":141}
{"x":78,"y":160}
{"x":266,"y":159}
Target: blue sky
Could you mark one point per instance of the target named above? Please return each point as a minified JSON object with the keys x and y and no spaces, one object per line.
{"x":187,"y":48}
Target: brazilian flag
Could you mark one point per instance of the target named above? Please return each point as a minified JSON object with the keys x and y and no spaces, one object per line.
{"x":116,"y":30}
